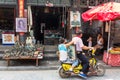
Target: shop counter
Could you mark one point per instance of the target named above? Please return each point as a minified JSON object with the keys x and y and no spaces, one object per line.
{"x":111,"y":59}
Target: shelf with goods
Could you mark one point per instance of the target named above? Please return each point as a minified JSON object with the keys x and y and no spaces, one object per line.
{"x":51,"y":37}
{"x":112,"y":57}
{"x":115,"y":29}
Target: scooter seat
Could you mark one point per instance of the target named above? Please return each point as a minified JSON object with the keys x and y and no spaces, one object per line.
{"x":67,"y":62}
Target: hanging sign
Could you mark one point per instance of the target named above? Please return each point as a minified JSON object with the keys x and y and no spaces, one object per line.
{"x":21,"y":8}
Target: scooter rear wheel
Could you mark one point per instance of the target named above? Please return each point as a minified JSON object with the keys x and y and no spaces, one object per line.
{"x":63,"y":73}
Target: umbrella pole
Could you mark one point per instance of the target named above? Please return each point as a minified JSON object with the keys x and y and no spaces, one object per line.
{"x":108,"y":41}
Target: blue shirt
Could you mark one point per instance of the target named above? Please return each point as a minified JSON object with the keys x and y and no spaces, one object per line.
{"x":62,"y":47}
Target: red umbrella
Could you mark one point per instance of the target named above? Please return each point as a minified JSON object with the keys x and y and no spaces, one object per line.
{"x":104,"y":12}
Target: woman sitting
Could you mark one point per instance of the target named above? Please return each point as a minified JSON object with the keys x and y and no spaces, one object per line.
{"x":100,"y":42}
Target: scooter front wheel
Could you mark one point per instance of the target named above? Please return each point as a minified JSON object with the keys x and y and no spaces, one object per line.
{"x":63,"y":73}
{"x":100,"y":70}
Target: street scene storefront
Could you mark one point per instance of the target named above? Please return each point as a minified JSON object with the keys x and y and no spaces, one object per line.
{"x":46,"y":19}
{"x":33,"y":31}
{"x":49,"y":20}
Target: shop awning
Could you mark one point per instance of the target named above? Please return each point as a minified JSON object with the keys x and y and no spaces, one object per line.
{"x":56,"y":3}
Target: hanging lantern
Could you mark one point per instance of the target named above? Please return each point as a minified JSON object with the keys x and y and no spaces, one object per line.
{"x":63,"y":24}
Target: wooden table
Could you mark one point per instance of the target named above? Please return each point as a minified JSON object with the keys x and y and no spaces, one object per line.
{"x":22,"y":57}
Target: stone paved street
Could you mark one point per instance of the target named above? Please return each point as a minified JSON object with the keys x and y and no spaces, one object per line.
{"x":111,"y":74}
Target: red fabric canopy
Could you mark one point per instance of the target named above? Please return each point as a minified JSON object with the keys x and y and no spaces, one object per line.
{"x":104,"y":12}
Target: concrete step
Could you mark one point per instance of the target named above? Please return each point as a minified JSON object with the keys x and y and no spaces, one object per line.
{"x":50,"y":56}
{"x":50,"y":47}
{"x":50,"y":52}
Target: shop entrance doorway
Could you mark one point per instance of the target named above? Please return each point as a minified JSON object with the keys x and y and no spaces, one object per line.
{"x":47,"y":24}
{"x":7,"y":16}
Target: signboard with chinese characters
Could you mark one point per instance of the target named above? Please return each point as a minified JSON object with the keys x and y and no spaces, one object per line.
{"x":8,"y":38}
{"x":21,"y":8}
